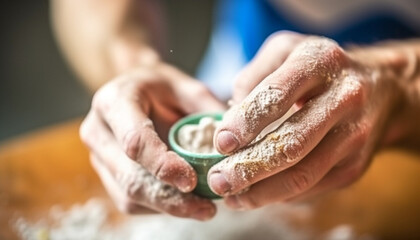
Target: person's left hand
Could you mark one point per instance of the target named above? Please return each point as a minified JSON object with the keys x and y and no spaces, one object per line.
{"x":344,"y":108}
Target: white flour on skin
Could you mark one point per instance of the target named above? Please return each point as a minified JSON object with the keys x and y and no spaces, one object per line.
{"x":258,"y":105}
{"x":262,"y":157}
{"x":264,"y":104}
{"x":317,"y":57}
{"x":311,"y":60}
{"x":284,"y":147}
{"x":198,"y":138}
{"x":265,"y":151}
{"x":141,"y":182}
{"x":279,"y":149}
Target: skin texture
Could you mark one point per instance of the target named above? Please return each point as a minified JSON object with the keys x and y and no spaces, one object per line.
{"x":350,"y":103}
{"x":114,"y":47}
{"x":124,"y":129}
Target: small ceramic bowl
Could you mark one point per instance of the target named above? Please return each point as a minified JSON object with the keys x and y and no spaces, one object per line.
{"x":201,"y":162}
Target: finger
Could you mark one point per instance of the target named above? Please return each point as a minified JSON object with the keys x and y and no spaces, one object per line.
{"x":300,"y":178}
{"x":190,"y":94}
{"x":133,"y":185}
{"x":337,"y":177}
{"x":287,"y":145}
{"x":199,"y":98}
{"x":101,"y":141}
{"x":135,"y":188}
{"x":123,"y":203}
{"x":135,"y":134}
{"x":304,"y":72}
{"x":271,"y":55}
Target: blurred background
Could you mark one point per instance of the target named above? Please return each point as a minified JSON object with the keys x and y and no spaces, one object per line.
{"x":38,"y":89}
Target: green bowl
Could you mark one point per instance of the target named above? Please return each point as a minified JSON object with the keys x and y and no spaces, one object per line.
{"x":201,"y":162}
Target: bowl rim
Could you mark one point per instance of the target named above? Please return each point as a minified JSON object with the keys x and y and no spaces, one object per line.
{"x":185,"y":120}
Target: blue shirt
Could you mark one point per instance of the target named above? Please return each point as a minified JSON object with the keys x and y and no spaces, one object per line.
{"x":241,"y":26}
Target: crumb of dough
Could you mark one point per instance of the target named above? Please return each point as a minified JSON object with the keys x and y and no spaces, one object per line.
{"x":198,"y":138}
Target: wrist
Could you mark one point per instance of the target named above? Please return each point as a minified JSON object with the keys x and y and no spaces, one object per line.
{"x":397,"y":64}
{"x":396,"y":60}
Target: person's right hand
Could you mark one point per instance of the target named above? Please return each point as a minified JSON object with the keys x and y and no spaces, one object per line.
{"x":124,"y":129}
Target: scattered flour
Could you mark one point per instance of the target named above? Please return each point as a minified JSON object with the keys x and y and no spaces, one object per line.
{"x":80,"y":222}
{"x":91,"y":221}
{"x":198,"y":138}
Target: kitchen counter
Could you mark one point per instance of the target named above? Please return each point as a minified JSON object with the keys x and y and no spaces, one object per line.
{"x":51,"y":167}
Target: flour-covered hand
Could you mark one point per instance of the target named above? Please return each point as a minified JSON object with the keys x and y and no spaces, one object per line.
{"x":346,"y":103}
{"x":126,"y":130}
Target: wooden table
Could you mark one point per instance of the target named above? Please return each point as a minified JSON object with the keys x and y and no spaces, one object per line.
{"x":51,"y":167}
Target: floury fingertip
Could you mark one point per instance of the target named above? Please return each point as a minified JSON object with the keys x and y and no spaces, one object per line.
{"x":226,"y":142}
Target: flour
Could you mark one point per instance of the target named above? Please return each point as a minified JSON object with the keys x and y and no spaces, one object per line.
{"x":90,"y":221}
{"x":262,"y":104}
{"x":313,"y":63}
{"x":263,"y":156}
{"x":264,"y":152}
{"x":87,"y":221}
{"x":198,"y":138}
{"x":139,"y":180}
{"x":279,"y":149}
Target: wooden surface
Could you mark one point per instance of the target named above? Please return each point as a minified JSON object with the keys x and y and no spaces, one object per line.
{"x":51,"y":167}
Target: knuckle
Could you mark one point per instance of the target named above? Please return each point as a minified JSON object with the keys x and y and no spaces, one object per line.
{"x":327,"y":53}
{"x":86,"y":133}
{"x":282,"y":37}
{"x":104,"y":99}
{"x":334,"y":50}
{"x":361,"y":136}
{"x":102,"y":96}
{"x":326,"y":46}
{"x":294,"y":146}
{"x":355,"y":91}
{"x":299,"y":181}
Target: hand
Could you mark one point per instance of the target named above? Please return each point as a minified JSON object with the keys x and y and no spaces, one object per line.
{"x":124,"y":129}
{"x":344,"y":107}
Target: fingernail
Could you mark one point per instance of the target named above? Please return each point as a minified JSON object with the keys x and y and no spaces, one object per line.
{"x":233,"y":202}
{"x":227,"y":142}
{"x":183,"y":184}
{"x":218,"y":184}
{"x":203,"y":214}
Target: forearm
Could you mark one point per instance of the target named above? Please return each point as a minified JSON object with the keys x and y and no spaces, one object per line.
{"x":398,"y":63}
{"x":101,"y":39}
